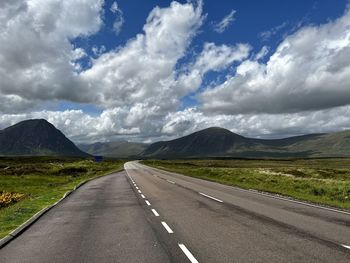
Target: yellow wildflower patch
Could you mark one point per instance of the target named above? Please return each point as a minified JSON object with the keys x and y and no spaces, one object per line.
{"x":7,"y":199}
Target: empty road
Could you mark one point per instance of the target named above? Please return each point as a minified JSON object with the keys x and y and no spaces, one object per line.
{"x":149,"y":215}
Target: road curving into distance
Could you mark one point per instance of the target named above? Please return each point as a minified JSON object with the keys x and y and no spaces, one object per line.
{"x":149,"y":215}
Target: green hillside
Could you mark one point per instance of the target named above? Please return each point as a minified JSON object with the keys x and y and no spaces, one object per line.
{"x":117,"y":149}
{"x":218,"y":142}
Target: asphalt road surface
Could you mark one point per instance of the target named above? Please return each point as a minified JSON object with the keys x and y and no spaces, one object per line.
{"x":149,"y":215}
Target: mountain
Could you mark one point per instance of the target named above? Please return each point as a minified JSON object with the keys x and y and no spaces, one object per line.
{"x":326,"y":145}
{"x":209,"y":142}
{"x":117,"y":149}
{"x":36,"y":137}
{"x":219,"y":142}
{"x":40,"y":138}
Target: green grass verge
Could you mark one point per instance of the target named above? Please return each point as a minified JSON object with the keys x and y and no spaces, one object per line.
{"x":43,"y":181}
{"x":322,"y":181}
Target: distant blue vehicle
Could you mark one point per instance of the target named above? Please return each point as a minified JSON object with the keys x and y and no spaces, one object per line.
{"x":98,"y":159}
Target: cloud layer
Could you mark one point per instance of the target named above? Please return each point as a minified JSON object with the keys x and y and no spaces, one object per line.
{"x":221,"y":26}
{"x":310,"y":70}
{"x":38,"y":61}
{"x":119,"y":20}
{"x":302,"y":87}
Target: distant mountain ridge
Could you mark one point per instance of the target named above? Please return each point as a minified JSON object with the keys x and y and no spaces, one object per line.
{"x":219,"y":142}
{"x":36,"y":137}
{"x":40,"y":138}
{"x":116,"y":149}
{"x":212,"y":141}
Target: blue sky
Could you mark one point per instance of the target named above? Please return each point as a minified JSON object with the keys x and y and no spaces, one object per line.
{"x":251,"y":19}
{"x":151,"y":70}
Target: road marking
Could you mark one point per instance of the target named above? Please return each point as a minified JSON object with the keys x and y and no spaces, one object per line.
{"x":263,"y":194}
{"x":139,"y":191}
{"x":65,"y":195}
{"x":13,"y":231}
{"x":348,"y":247}
{"x":169,"y":181}
{"x":148,"y":203}
{"x":137,"y":188}
{"x":218,"y":200}
{"x":143,"y":196}
{"x":167,"y":227}
{"x":188,"y":253}
{"x":155,"y":212}
{"x":297,"y":202}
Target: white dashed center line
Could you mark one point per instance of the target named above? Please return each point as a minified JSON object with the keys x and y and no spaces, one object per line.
{"x":167,"y":227}
{"x":348,"y":247}
{"x":218,"y":200}
{"x":188,"y":253}
{"x":155,"y":212}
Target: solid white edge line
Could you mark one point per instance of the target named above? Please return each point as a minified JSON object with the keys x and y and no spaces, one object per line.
{"x":218,"y":200}
{"x":169,"y":181}
{"x":65,"y":195}
{"x":147,"y":202}
{"x":188,"y":253}
{"x":297,"y":202}
{"x":155,"y":212}
{"x":11,"y":233}
{"x":143,"y":196}
{"x":270,"y":195}
{"x":348,"y":247}
{"x":170,"y":231}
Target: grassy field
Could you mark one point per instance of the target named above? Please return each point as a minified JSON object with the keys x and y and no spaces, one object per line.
{"x":323,"y":181}
{"x":27,"y":185}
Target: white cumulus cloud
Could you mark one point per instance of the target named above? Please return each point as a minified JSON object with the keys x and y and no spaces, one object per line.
{"x":141,"y":76}
{"x":259,"y":125}
{"x":221,"y":26}
{"x":310,"y":70}
{"x":119,"y":20}
{"x":37,"y":59}
{"x":301,"y":87}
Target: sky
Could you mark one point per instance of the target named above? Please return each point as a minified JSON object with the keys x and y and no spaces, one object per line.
{"x":147,"y":70}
